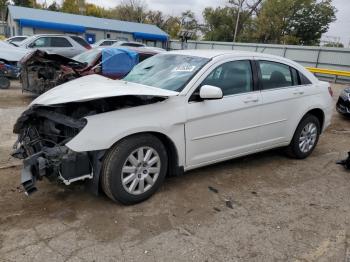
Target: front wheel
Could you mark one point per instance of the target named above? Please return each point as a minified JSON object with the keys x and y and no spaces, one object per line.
{"x":305,"y":137}
{"x":134,"y":169}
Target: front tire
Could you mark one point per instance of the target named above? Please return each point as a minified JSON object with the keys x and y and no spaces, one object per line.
{"x":134,"y":169}
{"x":305,"y":137}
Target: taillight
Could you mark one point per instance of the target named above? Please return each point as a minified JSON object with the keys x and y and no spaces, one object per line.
{"x":330,"y":91}
{"x":88,"y":47}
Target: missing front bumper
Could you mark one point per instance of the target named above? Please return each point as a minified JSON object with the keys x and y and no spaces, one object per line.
{"x":57,"y":163}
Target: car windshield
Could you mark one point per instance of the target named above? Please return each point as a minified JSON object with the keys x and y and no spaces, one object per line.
{"x":166,"y":71}
{"x":87,"y":57}
{"x":26,"y":41}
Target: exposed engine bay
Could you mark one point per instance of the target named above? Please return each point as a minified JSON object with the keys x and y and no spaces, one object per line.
{"x":41,"y":71}
{"x":43,"y":132}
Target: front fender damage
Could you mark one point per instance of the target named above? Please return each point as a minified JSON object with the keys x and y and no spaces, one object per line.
{"x":43,"y":134}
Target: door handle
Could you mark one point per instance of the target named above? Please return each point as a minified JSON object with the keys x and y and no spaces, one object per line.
{"x":251,"y":100}
{"x":298,"y":93}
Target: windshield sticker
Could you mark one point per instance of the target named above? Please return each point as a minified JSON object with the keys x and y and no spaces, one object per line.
{"x":184,"y":68}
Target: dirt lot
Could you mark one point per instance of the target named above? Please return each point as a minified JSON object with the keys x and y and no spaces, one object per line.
{"x":266,"y":208}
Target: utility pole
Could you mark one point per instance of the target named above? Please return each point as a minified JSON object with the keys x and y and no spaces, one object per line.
{"x":240,"y":4}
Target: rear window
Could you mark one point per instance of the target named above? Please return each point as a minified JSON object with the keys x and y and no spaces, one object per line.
{"x":60,"y":42}
{"x":132,"y":44}
{"x":80,"y":41}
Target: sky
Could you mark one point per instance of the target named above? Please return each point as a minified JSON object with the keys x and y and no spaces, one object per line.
{"x":340,"y":28}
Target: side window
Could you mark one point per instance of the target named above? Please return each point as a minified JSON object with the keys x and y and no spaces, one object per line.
{"x":106,"y":43}
{"x":304,"y":80}
{"x":132,"y":44}
{"x":275,"y":75}
{"x":42,"y":42}
{"x":60,"y":42}
{"x":232,"y":77}
{"x":295,"y":77}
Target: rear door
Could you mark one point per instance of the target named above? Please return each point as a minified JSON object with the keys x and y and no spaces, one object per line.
{"x":61,"y":45}
{"x":281,"y":97}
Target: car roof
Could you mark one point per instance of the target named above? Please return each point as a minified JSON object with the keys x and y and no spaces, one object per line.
{"x":211,"y":53}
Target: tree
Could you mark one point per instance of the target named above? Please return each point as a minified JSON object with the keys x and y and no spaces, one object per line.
{"x":54,"y":7}
{"x":172,"y":26}
{"x":3,"y":7}
{"x":244,"y":9}
{"x":25,"y":3}
{"x":94,"y":10}
{"x":155,"y":18}
{"x":70,"y":6}
{"x":219,"y":23}
{"x":130,"y":10}
{"x":311,"y":21}
{"x":294,"y":21}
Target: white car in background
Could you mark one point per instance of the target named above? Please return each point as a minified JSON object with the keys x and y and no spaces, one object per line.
{"x":104,"y":42}
{"x":65,"y":45}
{"x":174,"y":112}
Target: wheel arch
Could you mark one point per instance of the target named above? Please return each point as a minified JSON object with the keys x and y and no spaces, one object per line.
{"x":317,"y":112}
{"x":174,"y":167}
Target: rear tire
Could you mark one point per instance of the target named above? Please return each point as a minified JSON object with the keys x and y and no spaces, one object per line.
{"x":134,"y":169}
{"x":305,"y":137}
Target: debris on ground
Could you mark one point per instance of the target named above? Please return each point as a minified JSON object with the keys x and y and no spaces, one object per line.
{"x":212,"y":189}
{"x":345,"y":162}
{"x":229,"y":204}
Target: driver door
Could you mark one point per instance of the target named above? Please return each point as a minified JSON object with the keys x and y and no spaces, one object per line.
{"x":224,"y":128}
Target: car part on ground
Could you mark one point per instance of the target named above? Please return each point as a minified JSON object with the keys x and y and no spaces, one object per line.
{"x":41,"y":71}
{"x":65,"y":45}
{"x":345,"y":162}
{"x":343,"y":104}
{"x":176,"y":111}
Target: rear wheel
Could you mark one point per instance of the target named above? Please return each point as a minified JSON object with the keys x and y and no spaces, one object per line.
{"x":134,"y":169}
{"x":305,"y":138}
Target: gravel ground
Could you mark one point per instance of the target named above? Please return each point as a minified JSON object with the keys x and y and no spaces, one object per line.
{"x":264,"y":207}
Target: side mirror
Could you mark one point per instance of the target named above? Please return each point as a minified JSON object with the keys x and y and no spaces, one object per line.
{"x":208,"y":92}
{"x":31,"y":45}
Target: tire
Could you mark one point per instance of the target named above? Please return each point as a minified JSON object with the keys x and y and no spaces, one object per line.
{"x":4,"y":82}
{"x":117,"y":161}
{"x":295,"y":149}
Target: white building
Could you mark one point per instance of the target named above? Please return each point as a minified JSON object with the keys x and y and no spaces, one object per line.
{"x":30,"y":21}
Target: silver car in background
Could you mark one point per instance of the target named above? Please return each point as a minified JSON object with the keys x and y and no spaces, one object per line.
{"x":66,"y":45}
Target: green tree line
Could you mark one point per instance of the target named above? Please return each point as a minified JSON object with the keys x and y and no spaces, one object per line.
{"x":262,"y":21}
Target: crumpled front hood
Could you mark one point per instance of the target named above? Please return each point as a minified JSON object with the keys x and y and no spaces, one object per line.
{"x":95,"y":87}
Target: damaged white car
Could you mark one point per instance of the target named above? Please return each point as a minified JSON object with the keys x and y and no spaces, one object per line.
{"x":174,"y":112}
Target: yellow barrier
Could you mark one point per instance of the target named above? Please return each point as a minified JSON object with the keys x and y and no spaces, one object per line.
{"x":328,"y":71}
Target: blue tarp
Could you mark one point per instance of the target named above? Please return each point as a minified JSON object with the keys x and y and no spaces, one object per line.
{"x":50,"y":25}
{"x":118,"y":61}
{"x":154,"y":37}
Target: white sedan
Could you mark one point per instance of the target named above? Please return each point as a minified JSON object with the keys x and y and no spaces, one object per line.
{"x":174,"y":112}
